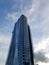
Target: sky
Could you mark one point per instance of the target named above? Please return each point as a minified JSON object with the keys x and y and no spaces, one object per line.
{"x":37,"y":13}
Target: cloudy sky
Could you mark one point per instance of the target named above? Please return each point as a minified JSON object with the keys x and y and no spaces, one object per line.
{"x":37,"y":13}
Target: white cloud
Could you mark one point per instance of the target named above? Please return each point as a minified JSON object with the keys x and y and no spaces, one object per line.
{"x":3,"y":57}
{"x":34,"y":8}
{"x":30,"y":11}
{"x":27,"y":11}
{"x":4,"y":47}
{"x":40,"y":63}
{"x":42,"y":44}
{"x":4,"y":38}
{"x":12,"y":16}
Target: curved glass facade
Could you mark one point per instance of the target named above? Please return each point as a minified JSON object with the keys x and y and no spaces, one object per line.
{"x":20,"y":52}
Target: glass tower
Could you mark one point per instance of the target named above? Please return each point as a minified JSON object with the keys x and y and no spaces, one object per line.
{"x":21,"y":52}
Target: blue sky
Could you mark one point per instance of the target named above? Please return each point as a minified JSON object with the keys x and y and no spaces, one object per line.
{"x":37,"y":13}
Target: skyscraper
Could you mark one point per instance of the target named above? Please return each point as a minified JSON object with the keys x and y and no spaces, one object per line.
{"x":21,"y":52}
